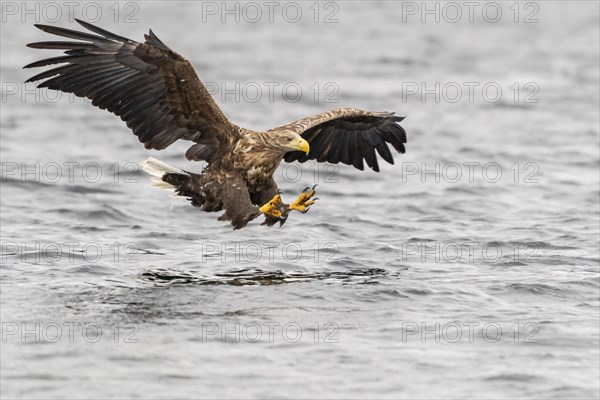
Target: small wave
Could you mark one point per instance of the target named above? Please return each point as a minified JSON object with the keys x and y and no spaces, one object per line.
{"x":512,"y":105}
{"x":85,"y":189}
{"x":104,"y":212}
{"x":409,"y":62}
{"x":249,"y":277}
{"x":92,"y":269}
{"x":536,"y":288}
{"x":419,"y":292}
{"x":514,"y":377}
{"x":395,"y":293}
{"x":531,"y":245}
{"x":511,"y":264}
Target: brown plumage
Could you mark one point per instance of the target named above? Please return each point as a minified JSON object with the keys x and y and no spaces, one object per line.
{"x":161,"y":99}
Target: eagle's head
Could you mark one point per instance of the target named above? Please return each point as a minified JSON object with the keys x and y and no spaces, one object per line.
{"x":269,"y":147}
{"x":291,"y":141}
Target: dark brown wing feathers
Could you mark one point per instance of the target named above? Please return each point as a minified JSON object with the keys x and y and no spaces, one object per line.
{"x":152,"y":88}
{"x":349,"y":136}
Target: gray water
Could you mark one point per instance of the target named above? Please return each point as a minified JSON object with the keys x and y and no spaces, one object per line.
{"x":468,"y":268}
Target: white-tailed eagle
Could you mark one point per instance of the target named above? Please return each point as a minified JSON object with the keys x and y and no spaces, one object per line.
{"x":161,"y":99}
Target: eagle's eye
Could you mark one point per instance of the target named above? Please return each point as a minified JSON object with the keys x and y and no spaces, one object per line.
{"x":290,"y":138}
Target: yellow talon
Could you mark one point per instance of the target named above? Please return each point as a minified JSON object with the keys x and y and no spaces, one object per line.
{"x":270,"y":208}
{"x":304,"y":201}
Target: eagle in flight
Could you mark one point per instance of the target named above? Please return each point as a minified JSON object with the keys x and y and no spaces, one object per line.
{"x":161,"y":99}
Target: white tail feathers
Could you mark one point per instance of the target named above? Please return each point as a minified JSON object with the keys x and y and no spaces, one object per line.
{"x":157,"y":169}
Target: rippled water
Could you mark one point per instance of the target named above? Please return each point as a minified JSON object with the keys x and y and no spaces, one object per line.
{"x":468,"y":268}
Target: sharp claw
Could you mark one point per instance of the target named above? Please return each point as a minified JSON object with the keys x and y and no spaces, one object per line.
{"x":271,"y":208}
{"x":304,"y":201}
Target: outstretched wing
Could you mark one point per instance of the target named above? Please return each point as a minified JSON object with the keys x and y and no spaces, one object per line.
{"x":348,"y":135}
{"x":152,"y":88}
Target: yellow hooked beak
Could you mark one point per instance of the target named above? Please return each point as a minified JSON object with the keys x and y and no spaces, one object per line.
{"x":301,"y":145}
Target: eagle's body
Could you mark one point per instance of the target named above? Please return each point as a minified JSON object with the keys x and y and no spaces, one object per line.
{"x":158,"y":94}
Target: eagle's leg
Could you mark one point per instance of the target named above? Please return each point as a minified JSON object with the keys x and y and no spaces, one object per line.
{"x":272,"y":206}
{"x":304,"y":201}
